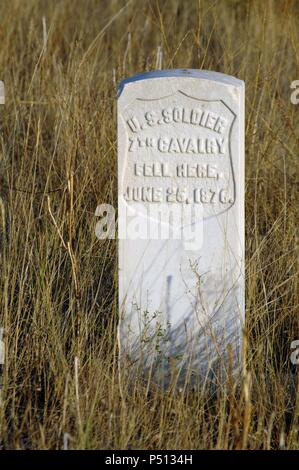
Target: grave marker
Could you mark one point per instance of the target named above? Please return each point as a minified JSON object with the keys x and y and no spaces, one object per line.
{"x":181,"y":221}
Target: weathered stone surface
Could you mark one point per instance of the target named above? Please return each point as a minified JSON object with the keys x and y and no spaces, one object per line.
{"x":181,"y":221}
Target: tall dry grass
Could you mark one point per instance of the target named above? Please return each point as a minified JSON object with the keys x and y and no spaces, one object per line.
{"x":61,"y":61}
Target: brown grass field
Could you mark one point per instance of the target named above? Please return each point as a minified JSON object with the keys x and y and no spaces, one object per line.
{"x":61,"y":61}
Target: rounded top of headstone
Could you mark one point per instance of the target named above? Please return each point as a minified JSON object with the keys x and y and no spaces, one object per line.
{"x":192,"y":73}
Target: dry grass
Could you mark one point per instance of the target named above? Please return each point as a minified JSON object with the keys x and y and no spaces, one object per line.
{"x":61,"y":61}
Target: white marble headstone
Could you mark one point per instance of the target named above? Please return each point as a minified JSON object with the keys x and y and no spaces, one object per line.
{"x":181,"y":221}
